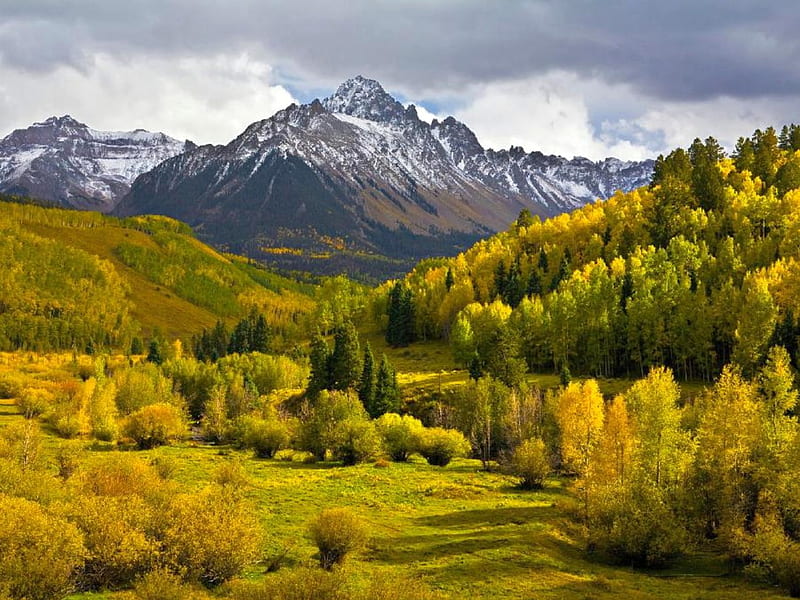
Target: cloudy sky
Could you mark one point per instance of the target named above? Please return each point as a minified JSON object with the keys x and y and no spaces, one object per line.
{"x":594,"y":78}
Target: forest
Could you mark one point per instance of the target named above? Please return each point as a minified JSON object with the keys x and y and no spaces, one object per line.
{"x":599,"y":404}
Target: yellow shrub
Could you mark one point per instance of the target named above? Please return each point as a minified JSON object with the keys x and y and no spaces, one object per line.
{"x":155,"y":425}
{"x":122,"y":475}
{"x":337,"y":532}
{"x":212,"y":535}
{"x":41,"y":553}
{"x":115,"y":536}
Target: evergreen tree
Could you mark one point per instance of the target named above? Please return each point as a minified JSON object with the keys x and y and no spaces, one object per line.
{"x":534,"y":283}
{"x":525,"y":218}
{"x":515,"y":287}
{"x":707,"y":181}
{"x":400,"y":329}
{"x":259,"y":335}
{"x":744,"y":155}
{"x":319,"y":379}
{"x":155,"y":353}
{"x":345,"y":361}
{"x":137,"y":347}
{"x":240,"y":338}
{"x":218,"y":342}
{"x":562,"y":273}
{"x":387,"y":394}
{"x":500,"y":281}
{"x":449,"y":280}
{"x":543,"y":262}
{"x":366,"y":386}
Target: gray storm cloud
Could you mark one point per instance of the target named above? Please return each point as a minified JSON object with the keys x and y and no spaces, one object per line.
{"x":672,"y":50}
{"x":581,"y":76}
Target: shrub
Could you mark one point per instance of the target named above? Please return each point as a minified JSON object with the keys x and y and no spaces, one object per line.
{"x":634,"y":525}
{"x":211,"y":536}
{"x":161,"y":584}
{"x":165,"y":466}
{"x":440,"y":446}
{"x":32,"y":484}
{"x":155,"y":425}
{"x":22,"y":443}
{"x":530,"y":464}
{"x":67,"y":413}
{"x":10,"y":385}
{"x":142,"y":386}
{"x":401,"y":435}
{"x":41,"y":553}
{"x":231,"y":474}
{"x":121,"y":474}
{"x":308,"y":584}
{"x":771,"y":549}
{"x":68,"y":458}
{"x":264,"y":436}
{"x":318,"y":432}
{"x":33,"y":402}
{"x":354,"y":441}
{"x":103,"y":412}
{"x":337,"y":532}
{"x":114,"y":533}
{"x":303,"y":584}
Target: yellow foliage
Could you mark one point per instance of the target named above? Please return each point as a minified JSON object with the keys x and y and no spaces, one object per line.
{"x":580,"y":418}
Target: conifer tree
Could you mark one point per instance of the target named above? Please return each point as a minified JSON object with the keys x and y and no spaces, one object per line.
{"x":449,"y":280}
{"x":155,"y":354}
{"x":345,"y":361}
{"x":366,"y":386}
{"x":534,"y":283}
{"x":319,"y":379}
{"x":260,"y":335}
{"x":387,"y":394}
{"x":400,"y":329}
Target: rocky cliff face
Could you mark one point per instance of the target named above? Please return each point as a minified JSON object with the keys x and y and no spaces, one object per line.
{"x":66,"y":162}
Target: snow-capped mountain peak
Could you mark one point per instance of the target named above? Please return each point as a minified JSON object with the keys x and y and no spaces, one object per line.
{"x":365,"y":98}
{"x":67,"y":162}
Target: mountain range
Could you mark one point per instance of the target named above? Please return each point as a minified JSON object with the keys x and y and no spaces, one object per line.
{"x":355,"y":181}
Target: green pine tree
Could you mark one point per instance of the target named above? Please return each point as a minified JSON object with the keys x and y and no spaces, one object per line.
{"x":366,"y":385}
{"x":387,"y":393}
{"x":345,"y":362}
{"x":319,"y":379}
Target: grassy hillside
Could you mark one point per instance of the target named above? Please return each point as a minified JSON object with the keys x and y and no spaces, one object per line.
{"x":168,"y":281}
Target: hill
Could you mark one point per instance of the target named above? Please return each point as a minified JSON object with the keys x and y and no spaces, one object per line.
{"x":74,"y":278}
{"x":694,"y":271}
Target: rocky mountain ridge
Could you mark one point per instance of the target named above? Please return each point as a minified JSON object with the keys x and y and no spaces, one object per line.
{"x":63,"y":161}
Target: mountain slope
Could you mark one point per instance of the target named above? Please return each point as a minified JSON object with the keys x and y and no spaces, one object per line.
{"x":68,"y":163}
{"x":63,"y":269}
{"x":358,"y":176}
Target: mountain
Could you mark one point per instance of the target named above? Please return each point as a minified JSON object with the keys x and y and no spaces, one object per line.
{"x":360,"y":181}
{"x":66,"y":162}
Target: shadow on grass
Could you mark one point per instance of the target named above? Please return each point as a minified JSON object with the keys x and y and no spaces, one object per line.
{"x":491,"y":517}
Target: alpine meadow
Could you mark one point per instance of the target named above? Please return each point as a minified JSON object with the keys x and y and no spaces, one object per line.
{"x":348,"y":352}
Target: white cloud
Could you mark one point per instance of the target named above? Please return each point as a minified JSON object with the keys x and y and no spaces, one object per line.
{"x":548,"y":113}
{"x":724,"y":118}
{"x":207,"y":100}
